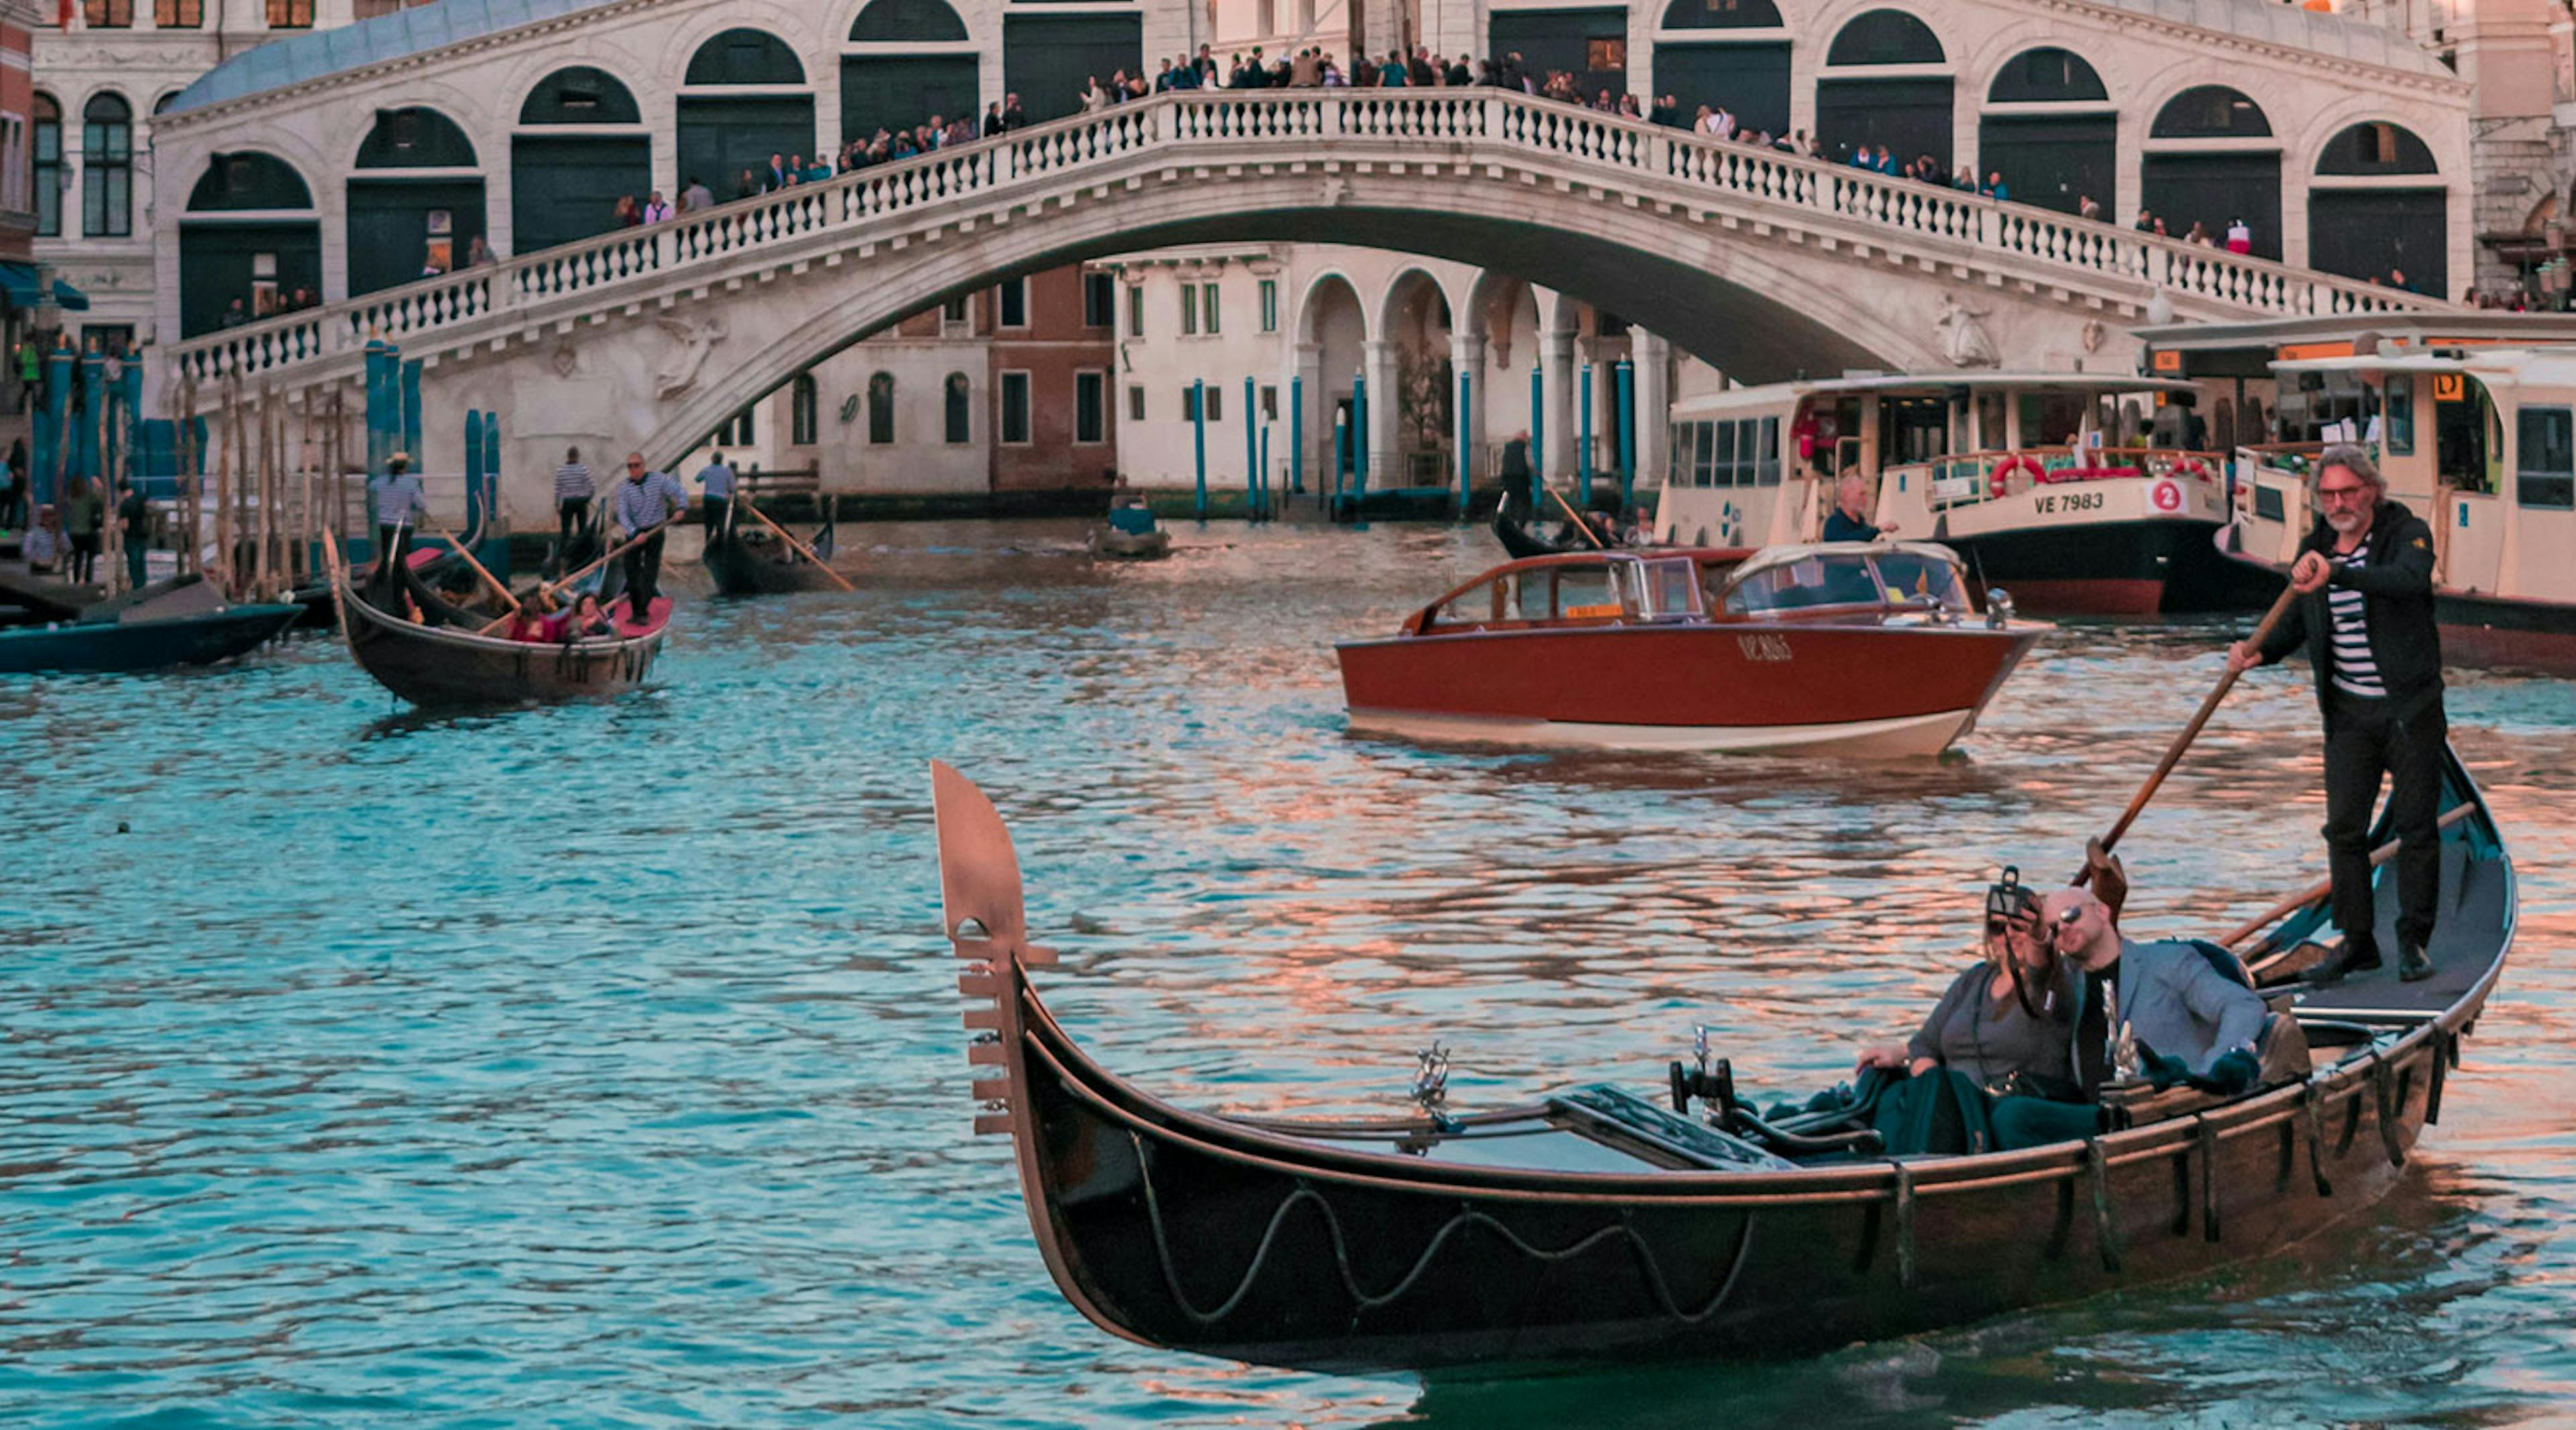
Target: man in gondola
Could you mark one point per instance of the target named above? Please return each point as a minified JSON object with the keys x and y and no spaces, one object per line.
{"x":645,"y":501}
{"x":2364,"y":577}
{"x":399,"y":507}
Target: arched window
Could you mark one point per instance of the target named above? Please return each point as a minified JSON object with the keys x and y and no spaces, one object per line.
{"x":248,"y":181}
{"x":2211,"y":111}
{"x":415,"y":138}
{"x":924,"y":20}
{"x":49,"y":167}
{"x":1886,"y":37}
{"x":1721,"y":15}
{"x":881,"y":410}
{"x":2047,"y":75}
{"x":580,"y":95}
{"x":2376,"y":148}
{"x":744,"y":57}
{"x":803,"y":423}
{"x":959,"y":404}
{"x":107,"y":168}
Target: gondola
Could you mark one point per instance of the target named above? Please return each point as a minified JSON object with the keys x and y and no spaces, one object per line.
{"x":751,"y":560}
{"x":1598,"y":1224}
{"x":440,"y":660}
{"x":1522,"y":542}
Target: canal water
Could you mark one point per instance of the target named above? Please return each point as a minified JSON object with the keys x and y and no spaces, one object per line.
{"x":601,"y":1066}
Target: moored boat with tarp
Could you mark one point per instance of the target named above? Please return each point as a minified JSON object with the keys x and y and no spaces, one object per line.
{"x":1596,"y":1223}
{"x":184,"y":621}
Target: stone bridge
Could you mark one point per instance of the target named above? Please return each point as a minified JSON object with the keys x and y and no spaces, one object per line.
{"x":1761,"y":263}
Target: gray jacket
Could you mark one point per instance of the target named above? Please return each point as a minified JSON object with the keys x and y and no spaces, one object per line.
{"x":2175,"y":1003}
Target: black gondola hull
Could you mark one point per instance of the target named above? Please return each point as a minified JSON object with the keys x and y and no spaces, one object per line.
{"x":437,"y":667}
{"x":739,"y":569}
{"x":1375,"y":1247}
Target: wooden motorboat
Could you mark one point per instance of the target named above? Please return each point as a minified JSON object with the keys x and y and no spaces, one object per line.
{"x":442,"y":660}
{"x":749,"y":559}
{"x":1597,"y":1224}
{"x":1853,"y":649}
{"x":175,"y":623}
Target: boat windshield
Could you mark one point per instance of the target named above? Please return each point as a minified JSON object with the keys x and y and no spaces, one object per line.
{"x":1910,"y":576}
{"x":1823,"y":579}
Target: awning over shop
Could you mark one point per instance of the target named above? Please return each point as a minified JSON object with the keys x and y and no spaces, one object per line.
{"x":19,"y":284}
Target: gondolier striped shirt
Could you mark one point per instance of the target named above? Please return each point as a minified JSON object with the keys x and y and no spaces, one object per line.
{"x":645,"y":503}
{"x":572,"y":482}
{"x":398,"y":499}
{"x":2356,"y":672}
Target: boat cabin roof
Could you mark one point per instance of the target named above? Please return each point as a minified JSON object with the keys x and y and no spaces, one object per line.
{"x":1779,"y":396}
{"x":1770,"y":557}
{"x":2499,"y":368}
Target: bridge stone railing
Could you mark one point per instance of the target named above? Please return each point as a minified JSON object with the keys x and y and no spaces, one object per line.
{"x":1317,"y":125}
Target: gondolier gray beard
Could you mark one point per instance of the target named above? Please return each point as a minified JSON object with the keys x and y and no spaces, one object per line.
{"x":2346,"y":521}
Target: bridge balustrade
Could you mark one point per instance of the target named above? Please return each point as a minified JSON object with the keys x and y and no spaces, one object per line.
{"x":1677,"y":163}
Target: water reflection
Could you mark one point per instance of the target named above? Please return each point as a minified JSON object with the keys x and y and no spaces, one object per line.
{"x":601,"y":1064}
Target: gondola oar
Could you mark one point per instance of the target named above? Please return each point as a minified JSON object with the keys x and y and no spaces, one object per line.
{"x":2182,"y":742}
{"x":799,"y":547}
{"x":1577,"y":518}
{"x":489,"y":579}
{"x":2319,"y":890}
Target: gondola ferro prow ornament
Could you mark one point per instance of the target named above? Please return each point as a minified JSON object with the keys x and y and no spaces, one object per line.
{"x":986,"y":918}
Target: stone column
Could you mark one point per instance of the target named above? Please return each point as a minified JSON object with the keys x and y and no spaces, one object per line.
{"x":1385,"y":413}
{"x":1319,"y":415}
{"x":1653,"y":358}
{"x":1467,"y":360}
{"x":1556,"y":387}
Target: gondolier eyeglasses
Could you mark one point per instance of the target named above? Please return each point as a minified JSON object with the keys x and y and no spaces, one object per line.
{"x":2337,"y":496}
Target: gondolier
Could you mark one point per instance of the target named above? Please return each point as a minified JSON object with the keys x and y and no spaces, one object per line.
{"x":644,"y":501}
{"x":717,"y":478}
{"x":399,"y":506}
{"x":2365,"y":578}
{"x":573,"y":491}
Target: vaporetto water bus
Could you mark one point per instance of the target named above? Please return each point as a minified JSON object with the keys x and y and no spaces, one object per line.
{"x":2082,"y":494}
{"x":2473,"y":423}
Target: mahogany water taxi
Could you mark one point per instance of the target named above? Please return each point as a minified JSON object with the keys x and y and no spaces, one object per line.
{"x":2472,"y":420}
{"x":1864,"y":649}
{"x":1599,"y":1222}
{"x":2081,"y":493}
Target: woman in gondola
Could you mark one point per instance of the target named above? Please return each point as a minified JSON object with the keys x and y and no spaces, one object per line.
{"x":588,"y":620}
{"x":2003,"y":1029}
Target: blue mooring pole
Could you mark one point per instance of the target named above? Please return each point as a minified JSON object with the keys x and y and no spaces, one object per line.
{"x":1625,"y":375}
{"x":411,"y":413}
{"x":1359,"y":442}
{"x":1267,"y":510}
{"x":1251,"y":453}
{"x":54,"y":437}
{"x":90,"y":461}
{"x":1466,"y":458}
{"x":1538,"y":439}
{"x":1341,"y":453}
{"x":1198,"y":437}
{"x":1297,"y":435}
{"x":384,"y":406}
{"x":1583,"y":441}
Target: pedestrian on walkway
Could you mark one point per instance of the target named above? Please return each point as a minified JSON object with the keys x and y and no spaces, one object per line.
{"x":645,"y":501}
{"x":136,"y":513}
{"x":84,"y":516}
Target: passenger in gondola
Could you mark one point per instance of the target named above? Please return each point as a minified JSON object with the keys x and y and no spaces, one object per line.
{"x":587,"y":621}
{"x":532,"y":623}
{"x":1849,"y":520}
{"x":2000,"y":1035}
{"x":2158,"y":1012}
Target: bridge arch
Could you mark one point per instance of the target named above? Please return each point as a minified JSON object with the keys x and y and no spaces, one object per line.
{"x":2379,"y":208}
{"x":565,"y":186}
{"x":2211,"y":157}
{"x":1887,"y":83}
{"x":2049,"y":128}
{"x":907,"y":22}
{"x":251,"y":235}
{"x":1734,"y":54}
{"x":904,"y":61}
{"x":423,"y":217}
{"x":743,"y":95}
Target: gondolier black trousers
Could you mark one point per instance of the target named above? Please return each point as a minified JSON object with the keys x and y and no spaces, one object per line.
{"x":571,"y":515}
{"x":2365,"y":745}
{"x":644,"y":574}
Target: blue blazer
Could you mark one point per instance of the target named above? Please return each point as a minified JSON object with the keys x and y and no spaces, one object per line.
{"x":2175,"y":1003}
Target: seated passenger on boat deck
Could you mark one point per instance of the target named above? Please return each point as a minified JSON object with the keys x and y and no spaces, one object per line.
{"x":530,"y":622}
{"x":2163,"y":1003}
{"x":587,"y":620}
{"x":2002,"y":1033}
